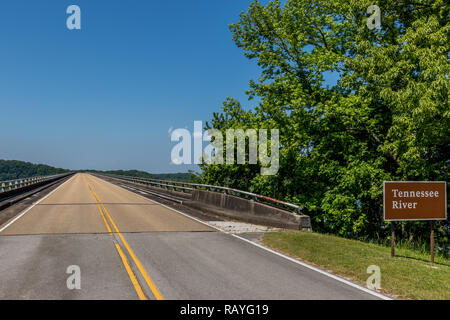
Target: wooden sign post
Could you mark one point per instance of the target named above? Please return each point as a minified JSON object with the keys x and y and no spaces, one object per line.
{"x":392,"y":238}
{"x":432,"y":241}
{"x":414,"y":201}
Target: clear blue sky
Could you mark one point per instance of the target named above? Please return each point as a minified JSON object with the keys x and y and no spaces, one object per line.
{"x":104,"y":97}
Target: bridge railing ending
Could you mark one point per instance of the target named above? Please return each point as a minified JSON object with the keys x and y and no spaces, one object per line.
{"x":188,"y":187}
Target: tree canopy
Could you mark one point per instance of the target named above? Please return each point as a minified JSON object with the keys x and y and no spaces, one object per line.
{"x":385,"y":118}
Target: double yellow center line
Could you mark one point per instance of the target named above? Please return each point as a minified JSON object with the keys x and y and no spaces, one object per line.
{"x":106,"y":217}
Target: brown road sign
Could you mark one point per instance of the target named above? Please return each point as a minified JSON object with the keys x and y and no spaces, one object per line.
{"x":411,"y":200}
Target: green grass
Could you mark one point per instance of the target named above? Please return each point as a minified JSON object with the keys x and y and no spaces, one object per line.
{"x":409,"y":275}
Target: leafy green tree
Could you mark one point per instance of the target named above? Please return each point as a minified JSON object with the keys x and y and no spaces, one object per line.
{"x":386,"y":117}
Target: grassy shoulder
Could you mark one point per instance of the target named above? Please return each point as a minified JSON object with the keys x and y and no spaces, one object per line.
{"x":409,"y":275}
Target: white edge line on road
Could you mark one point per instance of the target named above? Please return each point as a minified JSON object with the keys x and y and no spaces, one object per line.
{"x":352,"y":284}
{"x":32,"y":206}
{"x":340,"y":279}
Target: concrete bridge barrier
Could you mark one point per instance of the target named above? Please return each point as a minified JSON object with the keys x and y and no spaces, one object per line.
{"x":245,"y":210}
{"x":223,"y":204}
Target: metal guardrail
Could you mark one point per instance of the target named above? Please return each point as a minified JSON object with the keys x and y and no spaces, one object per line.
{"x":188,"y":187}
{"x":20,"y":183}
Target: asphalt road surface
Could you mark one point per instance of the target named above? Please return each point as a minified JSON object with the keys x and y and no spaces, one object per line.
{"x":123,"y":246}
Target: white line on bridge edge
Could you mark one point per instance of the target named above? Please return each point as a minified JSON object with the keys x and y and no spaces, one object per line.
{"x":32,"y":206}
{"x":335,"y":277}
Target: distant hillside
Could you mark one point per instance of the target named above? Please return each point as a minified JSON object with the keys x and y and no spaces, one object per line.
{"x":13,"y":169}
{"x":142,"y":174}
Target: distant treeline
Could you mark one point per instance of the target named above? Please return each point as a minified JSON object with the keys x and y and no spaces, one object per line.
{"x":142,"y":174}
{"x":13,"y":169}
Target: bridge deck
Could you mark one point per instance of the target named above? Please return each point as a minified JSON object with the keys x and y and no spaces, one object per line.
{"x":129,"y":247}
